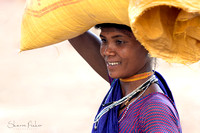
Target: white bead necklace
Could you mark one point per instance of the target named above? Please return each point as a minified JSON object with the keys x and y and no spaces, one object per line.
{"x":127,"y":108}
{"x":142,"y":87}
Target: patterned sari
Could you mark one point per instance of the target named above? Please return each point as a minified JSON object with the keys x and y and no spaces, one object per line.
{"x":108,"y":123}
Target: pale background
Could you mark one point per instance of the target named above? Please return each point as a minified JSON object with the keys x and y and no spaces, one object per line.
{"x":55,"y":88}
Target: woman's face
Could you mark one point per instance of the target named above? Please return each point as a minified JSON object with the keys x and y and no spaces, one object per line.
{"x":123,"y":54}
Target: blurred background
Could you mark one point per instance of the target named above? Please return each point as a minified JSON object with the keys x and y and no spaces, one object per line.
{"x":53,"y":90}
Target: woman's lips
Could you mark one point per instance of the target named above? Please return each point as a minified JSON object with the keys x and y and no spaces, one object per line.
{"x":113,"y":64}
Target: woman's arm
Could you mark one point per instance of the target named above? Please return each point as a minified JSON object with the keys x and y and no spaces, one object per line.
{"x":88,"y":46}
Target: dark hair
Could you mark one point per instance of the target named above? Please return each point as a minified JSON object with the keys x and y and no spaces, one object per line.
{"x":117,"y":26}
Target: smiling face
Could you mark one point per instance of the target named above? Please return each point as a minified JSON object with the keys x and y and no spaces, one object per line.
{"x":123,"y":54}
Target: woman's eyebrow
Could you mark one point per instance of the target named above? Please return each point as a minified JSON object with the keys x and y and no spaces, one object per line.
{"x":116,"y":36}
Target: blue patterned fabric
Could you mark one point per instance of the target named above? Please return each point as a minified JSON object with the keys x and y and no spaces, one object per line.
{"x":108,"y":123}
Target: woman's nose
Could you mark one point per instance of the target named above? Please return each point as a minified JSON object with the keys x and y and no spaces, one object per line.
{"x":109,"y":50}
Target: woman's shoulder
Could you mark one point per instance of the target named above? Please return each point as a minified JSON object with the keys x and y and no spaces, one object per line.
{"x":158,"y":110}
{"x":158,"y":102}
{"x":157,"y":97}
{"x":155,"y":101}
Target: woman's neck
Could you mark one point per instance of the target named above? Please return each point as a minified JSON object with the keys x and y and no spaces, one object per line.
{"x":128,"y":87}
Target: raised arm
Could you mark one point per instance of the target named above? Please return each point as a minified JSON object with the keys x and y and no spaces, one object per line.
{"x":88,"y":46}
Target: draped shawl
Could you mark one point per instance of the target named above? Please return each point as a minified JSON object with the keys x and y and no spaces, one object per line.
{"x":108,"y":123}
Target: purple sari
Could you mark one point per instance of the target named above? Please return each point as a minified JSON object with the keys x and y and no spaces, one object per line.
{"x":108,"y":123}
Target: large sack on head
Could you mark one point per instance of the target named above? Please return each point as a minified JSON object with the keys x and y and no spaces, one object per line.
{"x":168,"y":29}
{"x":46,"y":22}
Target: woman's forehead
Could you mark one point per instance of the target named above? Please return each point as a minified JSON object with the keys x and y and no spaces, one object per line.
{"x":112,"y":30}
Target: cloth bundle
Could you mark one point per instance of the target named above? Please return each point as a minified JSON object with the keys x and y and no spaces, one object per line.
{"x":168,"y":29}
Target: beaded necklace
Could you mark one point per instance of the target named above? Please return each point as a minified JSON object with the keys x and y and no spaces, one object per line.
{"x":111,"y":105}
{"x":127,"y":108}
{"x":135,"y":78}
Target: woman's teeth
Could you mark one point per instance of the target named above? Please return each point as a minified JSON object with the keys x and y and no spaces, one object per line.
{"x":113,"y":63}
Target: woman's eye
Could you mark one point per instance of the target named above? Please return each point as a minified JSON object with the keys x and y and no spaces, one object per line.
{"x":103,"y":41}
{"x":120,"y":41}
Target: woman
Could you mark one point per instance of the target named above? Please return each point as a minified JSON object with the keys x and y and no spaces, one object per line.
{"x":139,"y":99}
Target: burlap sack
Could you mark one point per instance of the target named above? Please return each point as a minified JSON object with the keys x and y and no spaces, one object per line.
{"x":168,"y":29}
{"x":46,"y":22}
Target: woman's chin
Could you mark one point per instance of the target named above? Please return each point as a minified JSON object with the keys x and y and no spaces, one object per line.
{"x":114,"y":76}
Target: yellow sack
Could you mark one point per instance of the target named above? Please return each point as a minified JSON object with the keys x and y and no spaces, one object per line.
{"x":169,"y":29}
{"x":46,"y":22}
